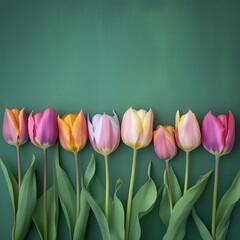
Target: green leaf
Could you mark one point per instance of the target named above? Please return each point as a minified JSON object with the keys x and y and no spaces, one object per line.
{"x":26,"y":203}
{"x":52,"y":214}
{"x":90,"y":171}
{"x":66,"y":194}
{"x":176,"y":192}
{"x":142,"y":203}
{"x":181,"y":211}
{"x":223,"y":233}
{"x":98,"y":214}
{"x":81,"y":224}
{"x":226,"y":205}
{"x":205,"y":234}
{"x":11,"y":184}
{"x":175,"y":187}
{"x":12,"y":189}
{"x":98,"y":192}
{"x":164,"y":210}
{"x":116,"y":218}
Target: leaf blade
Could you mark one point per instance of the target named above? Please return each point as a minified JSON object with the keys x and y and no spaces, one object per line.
{"x":142,"y":203}
{"x":26,"y":203}
{"x":177,"y":225}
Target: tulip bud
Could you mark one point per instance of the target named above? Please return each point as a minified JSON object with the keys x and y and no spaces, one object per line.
{"x":137,"y":128}
{"x":104,"y":133}
{"x":73,"y":134}
{"x":164,"y":142}
{"x":218,"y":133}
{"x":15,"y":126}
{"x":187,"y":131}
{"x":43,"y":128}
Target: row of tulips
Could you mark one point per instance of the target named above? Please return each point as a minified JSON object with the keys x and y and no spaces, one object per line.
{"x":104,"y":132}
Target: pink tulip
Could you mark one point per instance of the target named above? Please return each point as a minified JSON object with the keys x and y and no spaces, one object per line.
{"x":164,"y":142}
{"x":104,"y":133}
{"x":187,"y":131}
{"x":15,"y":126}
{"x":43,"y":128}
{"x":137,"y":128}
{"x":218,"y":133}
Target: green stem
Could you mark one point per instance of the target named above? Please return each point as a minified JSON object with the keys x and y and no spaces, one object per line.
{"x":107,"y":188}
{"x":77,"y":186}
{"x":214,"y":204}
{"x":186,"y":173}
{"x":169,"y":186}
{"x":129,"y":203}
{"x":45,"y":224}
{"x":19,"y":167}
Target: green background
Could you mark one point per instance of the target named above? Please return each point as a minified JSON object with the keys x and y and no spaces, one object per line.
{"x":102,"y":55}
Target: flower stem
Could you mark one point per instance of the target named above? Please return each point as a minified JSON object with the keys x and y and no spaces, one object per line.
{"x":19,"y":167}
{"x":186,"y":173}
{"x":77,"y":185}
{"x":214,"y":204}
{"x":129,"y":203}
{"x":45,"y":224}
{"x":169,"y":186}
{"x":107,"y":188}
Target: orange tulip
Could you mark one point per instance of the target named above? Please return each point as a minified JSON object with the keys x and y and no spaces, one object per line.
{"x":73,"y":134}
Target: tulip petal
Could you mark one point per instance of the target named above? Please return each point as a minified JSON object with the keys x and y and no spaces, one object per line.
{"x":177,"y":118}
{"x":91,"y":134}
{"x":131,"y":128}
{"x":230,"y":138}
{"x":23,"y":131}
{"x":31,"y":130}
{"x":213,"y":134}
{"x":46,"y":128}
{"x":141,"y":114}
{"x":64,"y":134}
{"x":79,"y":131}
{"x":147,"y":129}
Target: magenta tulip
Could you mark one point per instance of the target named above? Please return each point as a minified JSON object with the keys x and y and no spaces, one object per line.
{"x":164,"y":142}
{"x":218,"y":133}
{"x":218,"y":137}
{"x":43,"y":128}
{"x":104,"y":133}
{"x":15,"y":126}
{"x":43,"y":132}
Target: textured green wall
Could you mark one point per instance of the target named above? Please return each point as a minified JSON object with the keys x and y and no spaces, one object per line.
{"x":101,"y":55}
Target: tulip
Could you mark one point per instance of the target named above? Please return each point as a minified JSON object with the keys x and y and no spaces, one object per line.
{"x":73,"y":136}
{"x":104,"y":133}
{"x":104,"y":136}
{"x":164,"y":142}
{"x":187,"y":131}
{"x":73,"y":133}
{"x":218,"y":137}
{"x":15,"y":126}
{"x":218,"y":133}
{"x":43,"y":132}
{"x":136,"y":132}
{"x":137,"y":128}
{"x":188,"y":137}
{"x":42,"y":128}
{"x":15,"y":132}
{"x":165,"y":148}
